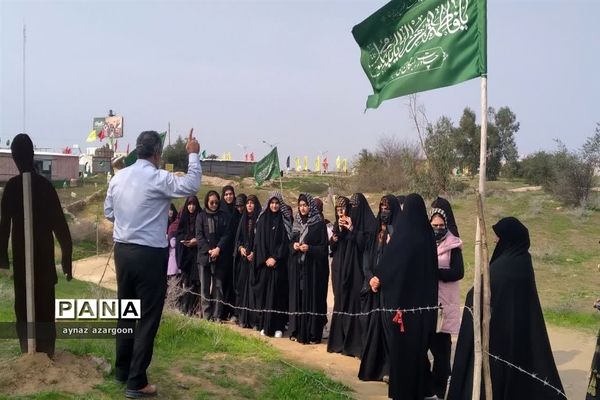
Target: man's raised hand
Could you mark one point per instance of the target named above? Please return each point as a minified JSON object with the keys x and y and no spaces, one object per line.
{"x":192,"y":145}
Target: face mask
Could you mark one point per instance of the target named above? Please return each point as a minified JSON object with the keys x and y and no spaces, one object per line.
{"x":385,"y":216}
{"x":440,"y":233}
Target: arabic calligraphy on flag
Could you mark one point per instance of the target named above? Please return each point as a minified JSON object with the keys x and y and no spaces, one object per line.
{"x":410,"y":46}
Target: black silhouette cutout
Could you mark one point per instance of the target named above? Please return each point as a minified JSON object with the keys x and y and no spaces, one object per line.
{"x":48,"y":218}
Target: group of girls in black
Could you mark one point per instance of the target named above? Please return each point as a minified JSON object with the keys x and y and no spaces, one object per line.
{"x":395,"y":279}
{"x":234,"y":257}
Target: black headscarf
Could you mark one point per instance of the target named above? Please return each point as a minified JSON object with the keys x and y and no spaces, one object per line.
{"x":273,"y":230}
{"x":514,"y":238}
{"x":248,"y":223}
{"x":206,"y":197}
{"x":187,"y":222}
{"x":228,"y":208}
{"x":393,"y":206}
{"x":444,"y":204}
{"x":240,"y":200}
{"x":362,"y":216}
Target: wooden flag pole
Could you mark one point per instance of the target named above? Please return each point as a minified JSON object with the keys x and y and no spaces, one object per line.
{"x":478,"y":338}
{"x":29,"y":275}
{"x":485,"y":323}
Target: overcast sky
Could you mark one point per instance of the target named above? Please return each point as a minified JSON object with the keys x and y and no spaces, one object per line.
{"x":285,"y":72}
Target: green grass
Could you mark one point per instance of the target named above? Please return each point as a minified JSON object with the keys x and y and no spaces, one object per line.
{"x":192,"y":359}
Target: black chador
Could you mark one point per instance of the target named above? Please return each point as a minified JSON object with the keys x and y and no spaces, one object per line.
{"x":186,"y":251}
{"x":273,"y":231}
{"x":212,"y":232}
{"x":407,"y":273}
{"x":517,"y":329}
{"x":244,"y":264}
{"x":375,"y":363}
{"x":308,"y":273}
{"x":350,"y":237}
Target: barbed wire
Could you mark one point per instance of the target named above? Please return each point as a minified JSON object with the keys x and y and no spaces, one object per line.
{"x":314,"y":314}
{"x":533,"y":375}
{"x":181,"y":290}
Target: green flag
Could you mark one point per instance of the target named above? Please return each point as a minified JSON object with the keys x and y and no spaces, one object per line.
{"x":410,"y":46}
{"x":131,"y":158}
{"x":267,"y":168}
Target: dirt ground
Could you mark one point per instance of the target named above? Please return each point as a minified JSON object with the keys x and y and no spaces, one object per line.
{"x":572,"y":349}
{"x":30,"y":374}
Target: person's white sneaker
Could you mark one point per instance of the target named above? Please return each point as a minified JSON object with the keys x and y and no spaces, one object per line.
{"x":262,"y":332}
{"x":325,"y":332}
{"x":278,"y":334}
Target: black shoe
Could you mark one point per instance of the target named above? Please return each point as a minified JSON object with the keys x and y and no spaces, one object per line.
{"x":145,"y":392}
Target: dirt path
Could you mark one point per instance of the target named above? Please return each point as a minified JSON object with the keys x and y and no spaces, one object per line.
{"x":572,"y":349}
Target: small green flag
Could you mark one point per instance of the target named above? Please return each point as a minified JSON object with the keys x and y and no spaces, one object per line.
{"x":131,"y":158}
{"x":410,"y":46}
{"x":267,"y":168}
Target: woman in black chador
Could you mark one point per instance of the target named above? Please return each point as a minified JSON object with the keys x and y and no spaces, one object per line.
{"x":517,"y":329}
{"x":308,"y":273}
{"x":186,"y":252}
{"x":375,"y":363}
{"x":354,"y":227}
{"x":273,"y":232}
{"x":407,"y":277}
{"x":244,"y":261}
{"x":212,"y":234}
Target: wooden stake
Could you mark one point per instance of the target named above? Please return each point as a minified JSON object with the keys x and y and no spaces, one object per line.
{"x":29,"y":273}
{"x":485,"y":323}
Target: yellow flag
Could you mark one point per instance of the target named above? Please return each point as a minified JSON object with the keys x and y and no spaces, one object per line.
{"x":92,"y":137}
{"x":318,"y":164}
{"x":338,"y":163}
{"x":297,"y":163}
{"x":306,"y":163}
{"x":345,"y":165}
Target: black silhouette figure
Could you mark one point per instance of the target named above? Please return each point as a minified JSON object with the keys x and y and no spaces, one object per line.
{"x":48,"y":219}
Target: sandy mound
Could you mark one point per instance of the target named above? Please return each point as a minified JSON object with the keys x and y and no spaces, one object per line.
{"x":216,"y":181}
{"x":35,"y":373}
{"x":526,"y":189}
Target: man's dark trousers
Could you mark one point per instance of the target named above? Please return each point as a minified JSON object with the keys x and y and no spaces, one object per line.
{"x":141,"y":274}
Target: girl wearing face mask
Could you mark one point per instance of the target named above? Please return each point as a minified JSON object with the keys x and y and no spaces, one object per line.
{"x":375,"y":363}
{"x":450,"y":272}
{"x":212,"y":234}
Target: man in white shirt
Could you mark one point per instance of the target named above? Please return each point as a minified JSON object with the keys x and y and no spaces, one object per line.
{"x":137,"y":202}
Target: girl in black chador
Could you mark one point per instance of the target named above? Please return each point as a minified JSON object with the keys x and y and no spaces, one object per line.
{"x":354,"y":227}
{"x":375,"y":363}
{"x":517,"y":329}
{"x":186,"y":252}
{"x":244,"y":261}
{"x":308,"y":273}
{"x":407,"y":276}
{"x":212,"y":234}
{"x":273,"y":232}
